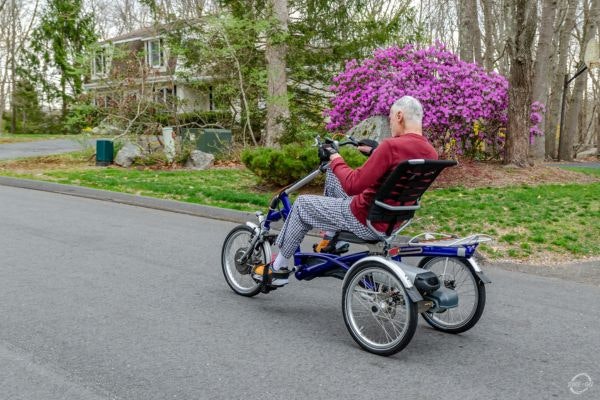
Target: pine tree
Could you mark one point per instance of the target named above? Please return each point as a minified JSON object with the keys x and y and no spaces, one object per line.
{"x":59,"y":44}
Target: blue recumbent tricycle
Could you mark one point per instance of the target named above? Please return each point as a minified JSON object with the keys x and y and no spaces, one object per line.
{"x":381,"y":294}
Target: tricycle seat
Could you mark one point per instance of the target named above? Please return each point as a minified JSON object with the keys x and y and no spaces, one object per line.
{"x":347,"y":236}
{"x":398,"y":198}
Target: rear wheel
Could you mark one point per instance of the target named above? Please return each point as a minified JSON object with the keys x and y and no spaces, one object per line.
{"x":378,"y":313}
{"x":456,"y":274}
{"x":238,"y":274}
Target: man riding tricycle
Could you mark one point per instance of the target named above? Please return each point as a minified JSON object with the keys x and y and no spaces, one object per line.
{"x":368,"y":206}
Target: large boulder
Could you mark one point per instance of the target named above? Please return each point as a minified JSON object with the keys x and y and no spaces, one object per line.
{"x":200,"y":160}
{"x":128,"y":153}
{"x":587,"y":153}
{"x":106,"y":129}
{"x":376,"y":128}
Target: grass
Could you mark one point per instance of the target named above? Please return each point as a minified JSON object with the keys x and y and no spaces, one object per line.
{"x":8,"y":138}
{"x":535,"y":223}
{"x":585,"y":170}
{"x":526,"y":221}
{"x":229,"y":188}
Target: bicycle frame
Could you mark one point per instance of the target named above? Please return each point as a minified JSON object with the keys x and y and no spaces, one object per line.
{"x":312,"y":265}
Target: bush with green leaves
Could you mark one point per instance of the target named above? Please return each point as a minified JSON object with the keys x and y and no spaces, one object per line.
{"x":81,"y":116}
{"x":290,"y":163}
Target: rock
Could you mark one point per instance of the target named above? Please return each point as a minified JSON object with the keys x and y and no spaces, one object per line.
{"x":588,"y":153}
{"x":200,"y":160}
{"x":128,"y":153}
{"x":106,"y":129}
{"x":376,"y":128}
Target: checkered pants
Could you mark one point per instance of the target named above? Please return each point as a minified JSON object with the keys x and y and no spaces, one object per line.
{"x":330,"y":212}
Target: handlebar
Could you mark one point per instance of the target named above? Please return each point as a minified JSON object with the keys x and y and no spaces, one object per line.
{"x":349,"y":141}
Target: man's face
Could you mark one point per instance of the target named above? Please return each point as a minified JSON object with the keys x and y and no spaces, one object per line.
{"x":396,"y":122}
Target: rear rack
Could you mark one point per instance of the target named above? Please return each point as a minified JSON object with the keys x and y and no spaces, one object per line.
{"x":446,"y":240}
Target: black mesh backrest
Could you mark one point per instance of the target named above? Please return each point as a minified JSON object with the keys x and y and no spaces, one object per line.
{"x":398,"y":198}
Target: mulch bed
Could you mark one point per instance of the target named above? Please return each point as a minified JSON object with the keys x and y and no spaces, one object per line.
{"x":473,"y":174}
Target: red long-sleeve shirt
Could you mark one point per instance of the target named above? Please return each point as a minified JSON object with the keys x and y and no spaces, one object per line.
{"x":363,"y":182}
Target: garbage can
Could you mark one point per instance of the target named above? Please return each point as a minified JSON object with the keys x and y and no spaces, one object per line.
{"x":214,"y":140}
{"x":104,"y":152}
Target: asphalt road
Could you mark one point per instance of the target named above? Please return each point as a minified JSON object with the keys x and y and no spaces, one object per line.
{"x":39,"y":148}
{"x":108,"y":301}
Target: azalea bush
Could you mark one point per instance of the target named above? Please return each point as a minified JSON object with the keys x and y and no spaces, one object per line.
{"x":465,"y":107}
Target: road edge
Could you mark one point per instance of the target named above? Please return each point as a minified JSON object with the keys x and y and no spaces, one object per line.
{"x":180,"y":207}
{"x":583,"y":272}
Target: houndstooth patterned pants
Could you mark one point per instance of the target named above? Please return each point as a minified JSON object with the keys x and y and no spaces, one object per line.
{"x":330,"y":212}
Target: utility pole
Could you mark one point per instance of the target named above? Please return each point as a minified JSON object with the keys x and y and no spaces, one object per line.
{"x":13,"y":119}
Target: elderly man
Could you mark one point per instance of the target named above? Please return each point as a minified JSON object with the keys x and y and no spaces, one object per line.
{"x":349,"y":193}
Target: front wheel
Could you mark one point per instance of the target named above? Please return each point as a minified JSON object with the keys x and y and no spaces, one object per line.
{"x":456,"y":274}
{"x":378,"y":313}
{"x":238,"y":274}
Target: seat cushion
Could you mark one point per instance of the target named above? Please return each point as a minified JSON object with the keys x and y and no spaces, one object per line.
{"x":350,"y":237}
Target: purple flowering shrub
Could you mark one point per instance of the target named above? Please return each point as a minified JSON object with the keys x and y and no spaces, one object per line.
{"x":465,"y":107}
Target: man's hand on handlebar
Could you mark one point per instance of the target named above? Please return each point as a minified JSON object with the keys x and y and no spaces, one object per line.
{"x":366,"y":146}
{"x":327,"y":150}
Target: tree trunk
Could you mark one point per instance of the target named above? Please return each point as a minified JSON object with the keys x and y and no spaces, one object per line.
{"x":569,"y":133}
{"x":520,"y":46}
{"x":543,"y":61}
{"x":554,"y":103}
{"x":63,"y":94}
{"x":506,"y":31}
{"x":488,"y":23}
{"x":598,"y":134}
{"x":277,"y":100}
{"x":475,"y":32}
{"x":13,"y":50}
{"x":465,"y":39}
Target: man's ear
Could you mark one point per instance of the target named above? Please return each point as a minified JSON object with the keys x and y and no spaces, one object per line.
{"x":400,"y":117}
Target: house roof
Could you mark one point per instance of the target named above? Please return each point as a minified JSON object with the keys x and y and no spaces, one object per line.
{"x":148,"y":32}
{"x":141,"y":33}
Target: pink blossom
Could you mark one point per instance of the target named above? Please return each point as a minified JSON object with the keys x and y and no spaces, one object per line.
{"x":456,"y":96}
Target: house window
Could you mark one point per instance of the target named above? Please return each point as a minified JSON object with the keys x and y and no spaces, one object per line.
{"x":165,"y":95}
{"x":101,"y":101}
{"x":99,"y":63}
{"x":155,"y":53}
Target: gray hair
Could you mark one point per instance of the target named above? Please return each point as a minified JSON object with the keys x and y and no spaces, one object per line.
{"x":411,"y":107}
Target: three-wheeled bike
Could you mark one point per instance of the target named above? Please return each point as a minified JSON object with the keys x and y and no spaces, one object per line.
{"x":381,"y":294}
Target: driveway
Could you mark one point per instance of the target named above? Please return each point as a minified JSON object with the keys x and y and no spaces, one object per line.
{"x":40,"y":148}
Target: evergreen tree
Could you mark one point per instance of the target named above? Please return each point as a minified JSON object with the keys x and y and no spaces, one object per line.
{"x":29,"y":115}
{"x":58,"y":45}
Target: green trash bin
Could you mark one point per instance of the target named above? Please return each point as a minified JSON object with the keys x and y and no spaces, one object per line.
{"x":104,"y":152}
{"x":214,"y":140}
{"x":211,"y":140}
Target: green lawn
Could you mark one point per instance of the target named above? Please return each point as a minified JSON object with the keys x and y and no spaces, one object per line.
{"x":560,"y":220}
{"x":585,"y":170}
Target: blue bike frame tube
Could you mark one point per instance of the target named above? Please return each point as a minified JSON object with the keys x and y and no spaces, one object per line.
{"x":330,"y":262}
{"x":275,"y":215}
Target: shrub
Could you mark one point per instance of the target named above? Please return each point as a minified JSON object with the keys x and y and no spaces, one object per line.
{"x":465,"y":107}
{"x":290,"y":163}
{"x":81,"y":116}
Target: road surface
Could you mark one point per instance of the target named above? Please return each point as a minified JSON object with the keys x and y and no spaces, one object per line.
{"x":39,"y":148}
{"x":107,"y":301}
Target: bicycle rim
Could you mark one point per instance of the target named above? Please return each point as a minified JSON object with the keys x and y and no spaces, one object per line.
{"x":377,"y":309}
